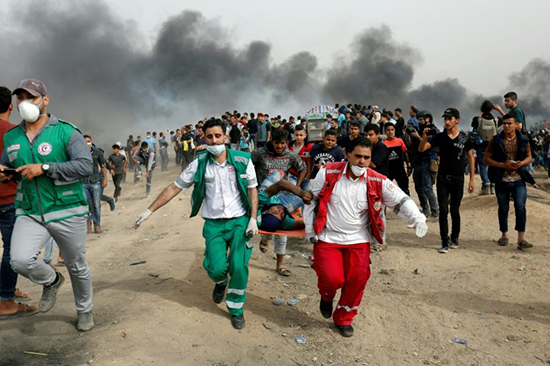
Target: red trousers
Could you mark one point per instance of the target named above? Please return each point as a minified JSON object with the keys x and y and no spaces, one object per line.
{"x":345,"y":267}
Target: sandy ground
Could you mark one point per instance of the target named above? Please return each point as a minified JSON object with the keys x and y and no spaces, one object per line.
{"x":161,"y":312}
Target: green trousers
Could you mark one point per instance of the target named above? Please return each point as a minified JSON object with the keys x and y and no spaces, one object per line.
{"x":227,"y":253}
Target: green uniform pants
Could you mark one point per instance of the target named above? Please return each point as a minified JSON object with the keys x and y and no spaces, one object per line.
{"x":221,"y":236}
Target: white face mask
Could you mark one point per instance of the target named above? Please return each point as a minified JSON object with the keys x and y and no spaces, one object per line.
{"x":358,"y":171}
{"x":29,"y":111}
{"x":215,"y":150}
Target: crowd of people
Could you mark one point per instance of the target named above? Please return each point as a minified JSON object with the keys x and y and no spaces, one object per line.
{"x":255,"y":174}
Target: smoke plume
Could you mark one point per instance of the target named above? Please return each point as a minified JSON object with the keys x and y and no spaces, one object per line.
{"x":103,"y":77}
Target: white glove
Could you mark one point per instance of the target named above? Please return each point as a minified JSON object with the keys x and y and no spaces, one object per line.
{"x":142,"y":217}
{"x":312,"y":237}
{"x":252,"y":228}
{"x":421,"y":228}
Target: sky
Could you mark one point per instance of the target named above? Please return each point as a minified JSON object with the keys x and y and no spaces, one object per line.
{"x":479,"y":42}
{"x":119,"y":66}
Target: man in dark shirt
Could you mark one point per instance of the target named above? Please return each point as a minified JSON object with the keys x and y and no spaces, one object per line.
{"x":486,"y":126}
{"x":252,"y":128}
{"x":453,"y":145}
{"x":380,"y":153}
{"x":117,"y":164}
{"x":400,"y":125}
{"x":345,"y":142}
{"x":234,"y":132}
{"x":93,"y":187}
{"x":511,"y":102}
{"x":327,"y":152}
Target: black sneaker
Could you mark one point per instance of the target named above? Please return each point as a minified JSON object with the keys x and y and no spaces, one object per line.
{"x":345,"y":330}
{"x":218,"y":293}
{"x":326,"y":308}
{"x":454,"y":244}
{"x":237,"y":321}
{"x":444,"y":248}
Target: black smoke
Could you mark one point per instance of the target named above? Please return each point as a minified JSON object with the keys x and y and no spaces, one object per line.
{"x":103,"y":77}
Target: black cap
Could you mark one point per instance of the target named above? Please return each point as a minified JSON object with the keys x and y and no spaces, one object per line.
{"x":451,"y":112}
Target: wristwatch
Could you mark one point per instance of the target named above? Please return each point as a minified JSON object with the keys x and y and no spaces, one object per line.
{"x":45,"y":168}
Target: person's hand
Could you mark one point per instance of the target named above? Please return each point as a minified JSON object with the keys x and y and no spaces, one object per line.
{"x":104,"y":183}
{"x":515,"y":165}
{"x":112,"y":172}
{"x":142,"y":217}
{"x":496,"y":107}
{"x":312,"y":237}
{"x":307,"y":196}
{"x":252,"y":228}
{"x":409,"y":171}
{"x":421,"y":228}
{"x":146,"y":175}
{"x":508,"y":165}
{"x":471,"y":186}
{"x":415,"y":135}
{"x":30,"y":171}
{"x":124,"y":170}
{"x":4,"y":177}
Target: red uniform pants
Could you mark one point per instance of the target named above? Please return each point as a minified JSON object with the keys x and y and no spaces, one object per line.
{"x":346,"y":267}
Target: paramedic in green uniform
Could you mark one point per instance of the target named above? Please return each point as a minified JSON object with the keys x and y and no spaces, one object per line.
{"x":226,"y":182}
{"x":52,"y":157}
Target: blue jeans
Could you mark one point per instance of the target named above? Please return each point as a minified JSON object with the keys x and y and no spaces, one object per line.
{"x":8,"y":277}
{"x":480,"y":152}
{"x":48,"y":251}
{"x":93,"y":192}
{"x":423,"y":183}
{"x":518,"y":191}
{"x":289,"y":200}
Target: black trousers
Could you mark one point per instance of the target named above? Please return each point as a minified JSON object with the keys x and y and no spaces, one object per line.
{"x":450,"y":190}
{"x":400,"y":176}
{"x":117,"y":179}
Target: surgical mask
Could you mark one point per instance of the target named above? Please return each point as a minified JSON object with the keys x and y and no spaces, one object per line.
{"x":215,"y":150}
{"x":29,"y":111}
{"x":358,"y":171}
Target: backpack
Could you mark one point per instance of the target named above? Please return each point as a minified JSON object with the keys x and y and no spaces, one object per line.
{"x":487,"y":128}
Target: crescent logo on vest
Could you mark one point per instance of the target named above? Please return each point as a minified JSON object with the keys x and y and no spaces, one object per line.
{"x":45,"y":148}
{"x":377,"y":205}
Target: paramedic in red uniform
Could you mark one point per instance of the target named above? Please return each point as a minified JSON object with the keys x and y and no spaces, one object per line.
{"x":342,"y":222}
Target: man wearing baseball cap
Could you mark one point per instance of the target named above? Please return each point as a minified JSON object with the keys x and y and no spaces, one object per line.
{"x":453,"y":145}
{"x":52,"y":158}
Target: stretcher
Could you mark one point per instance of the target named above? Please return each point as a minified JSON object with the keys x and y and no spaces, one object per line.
{"x":300,"y":233}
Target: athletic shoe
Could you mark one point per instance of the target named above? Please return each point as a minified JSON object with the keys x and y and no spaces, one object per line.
{"x":345,"y":330}
{"x":326,"y":308}
{"x":112,"y":204}
{"x":49,"y":294}
{"x":444,"y":248}
{"x":85,"y":321}
{"x":218,"y":293}
{"x":454,"y":244}
{"x":237,"y":321}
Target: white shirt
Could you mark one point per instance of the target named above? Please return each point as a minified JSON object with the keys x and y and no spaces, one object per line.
{"x":222,"y":199}
{"x":347,"y":209}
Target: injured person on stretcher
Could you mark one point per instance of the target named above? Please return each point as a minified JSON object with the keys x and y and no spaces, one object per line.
{"x":278,"y":199}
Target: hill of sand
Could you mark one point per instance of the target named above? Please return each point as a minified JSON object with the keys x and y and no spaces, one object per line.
{"x":161,"y":312}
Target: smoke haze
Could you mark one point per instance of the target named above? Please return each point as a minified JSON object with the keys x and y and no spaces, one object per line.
{"x":102,"y":76}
